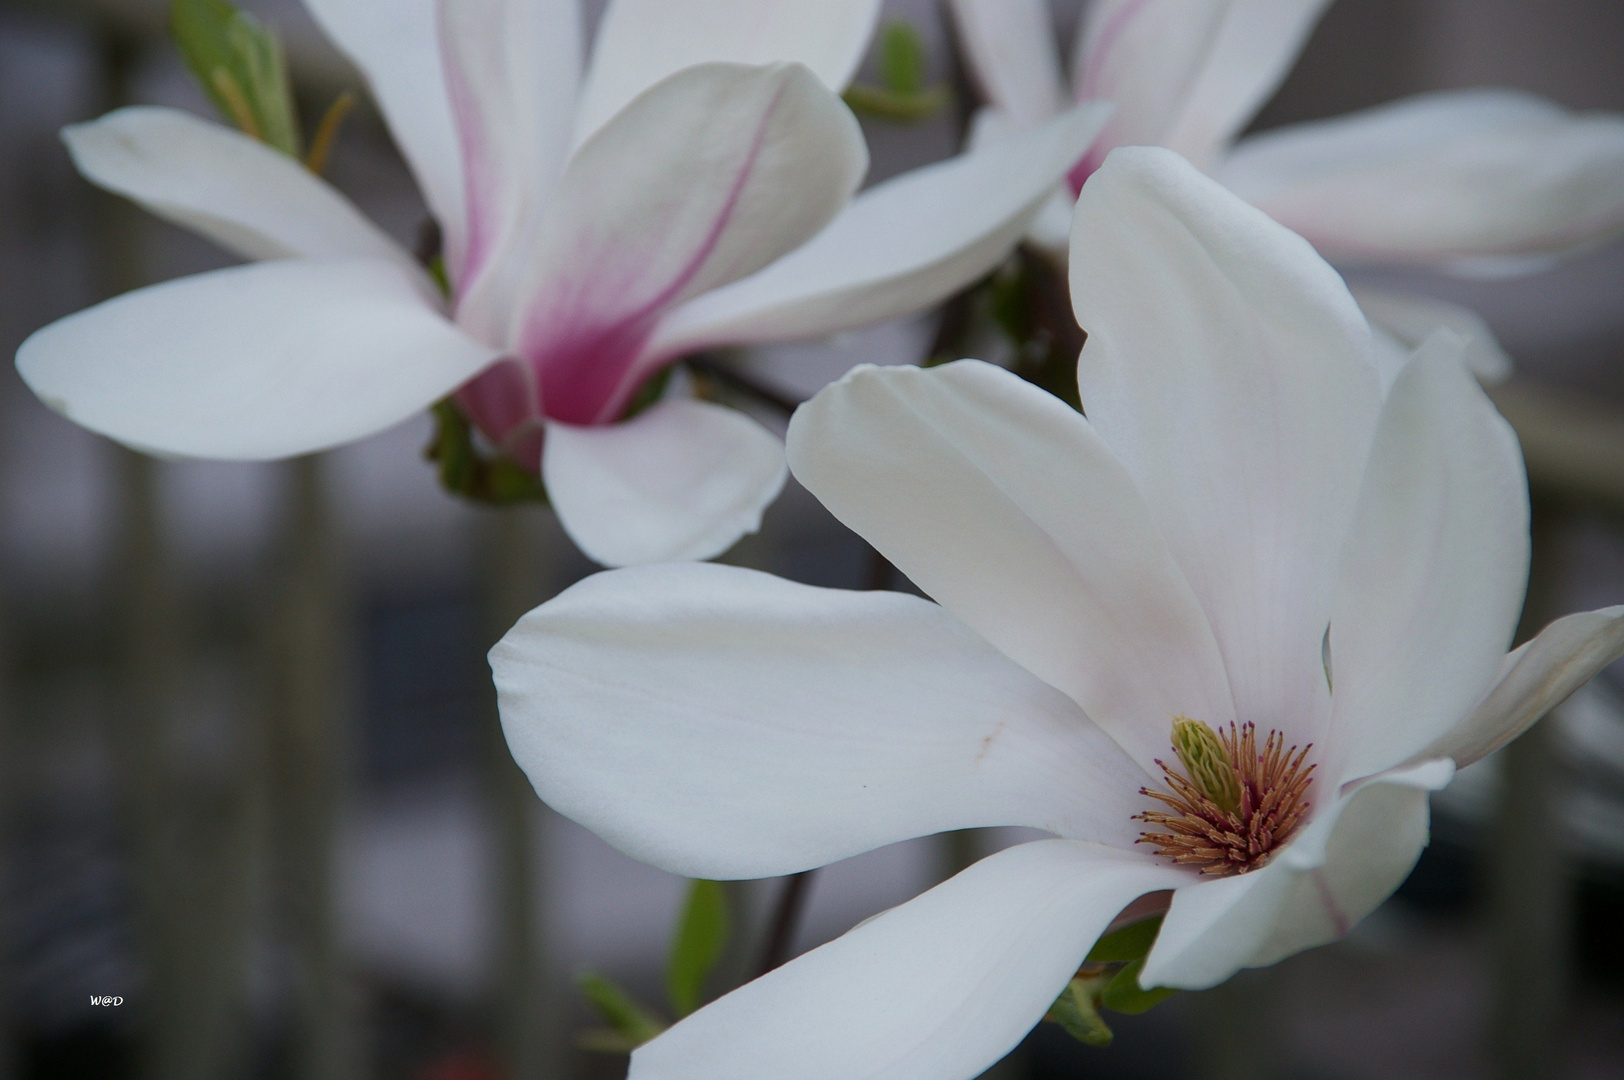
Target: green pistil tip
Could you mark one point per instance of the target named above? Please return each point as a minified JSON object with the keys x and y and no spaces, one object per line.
{"x":1206,"y":762}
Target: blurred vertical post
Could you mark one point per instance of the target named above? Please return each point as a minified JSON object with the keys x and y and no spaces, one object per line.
{"x":306,"y":752}
{"x":1531,"y":885}
{"x":511,"y":583}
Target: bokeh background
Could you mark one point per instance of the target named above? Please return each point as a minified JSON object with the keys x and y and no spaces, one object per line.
{"x":251,"y":783}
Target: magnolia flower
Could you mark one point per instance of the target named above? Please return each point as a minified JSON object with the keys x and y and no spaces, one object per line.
{"x":1488,"y":180}
{"x":1220,"y":638}
{"x":694,"y":189}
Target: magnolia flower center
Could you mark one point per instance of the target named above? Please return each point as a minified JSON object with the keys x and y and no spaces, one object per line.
{"x":1233,"y":804}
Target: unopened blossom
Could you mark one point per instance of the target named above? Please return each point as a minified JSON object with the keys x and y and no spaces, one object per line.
{"x":1480,"y":180}
{"x":693,"y":188}
{"x":1220,"y":638}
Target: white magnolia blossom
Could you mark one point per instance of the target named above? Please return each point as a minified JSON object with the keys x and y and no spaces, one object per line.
{"x":694,"y":188}
{"x":1243,"y":521}
{"x":1470,"y":180}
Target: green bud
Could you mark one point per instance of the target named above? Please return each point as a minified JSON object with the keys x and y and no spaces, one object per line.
{"x":1077,"y":1009}
{"x":902,"y":58}
{"x":1206,"y":762}
{"x":1124,"y":995}
{"x":701,"y":936}
{"x":238,"y":62}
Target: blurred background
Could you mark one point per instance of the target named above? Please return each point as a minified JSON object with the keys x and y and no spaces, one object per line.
{"x":252,"y":785}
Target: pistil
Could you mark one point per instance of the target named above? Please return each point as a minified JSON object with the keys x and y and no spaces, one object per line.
{"x":1232,"y":805}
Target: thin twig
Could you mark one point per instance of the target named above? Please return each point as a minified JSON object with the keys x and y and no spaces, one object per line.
{"x":785,"y":919}
{"x":735,"y":380}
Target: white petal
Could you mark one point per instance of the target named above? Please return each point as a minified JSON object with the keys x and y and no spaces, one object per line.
{"x":681,"y":480}
{"x":254,"y":362}
{"x":899,"y":247}
{"x":512,"y":68}
{"x":1011,"y":50}
{"x":641,"y":42}
{"x":1229,"y":369}
{"x":1411,"y":318}
{"x":1433,"y":576}
{"x":1535,"y":679}
{"x":1345,"y":862}
{"x":1256,"y":44}
{"x":998,"y":500}
{"x":720,"y":722}
{"x":1440,"y":178}
{"x":396,"y":44}
{"x":704,"y":179}
{"x":240,"y":193}
{"x":939,"y":988}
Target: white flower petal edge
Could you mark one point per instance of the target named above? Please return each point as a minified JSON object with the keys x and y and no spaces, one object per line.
{"x":640,"y":42}
{"x":1064,"y":563}
{"x":1535,"y":679}
{"x":1438,"y":553}
{"x":1409,"y":319}
{"x":720,"y":722}
{"x":898,"y":246}
{"x":1216,"y":339}
{"x":1440,"y":179}
{"x":1011,"y":50}
{"x":1348,"y":859}
{"x":939,"y":988}
{"x":235,"y":190}
{"x":681,"y":480}
{"x":255,"y":362}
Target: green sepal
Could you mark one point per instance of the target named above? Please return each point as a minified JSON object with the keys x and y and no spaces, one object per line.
{"x":1126,"y":945}
{"x":1123,"y":993}
{"x":632,"y":1024}
{"x":238,"y":62}
{"x":1077,"y":1011}
{"x":902,"y":93}
{"x":465,"y":471}
{"x":697,"y":945}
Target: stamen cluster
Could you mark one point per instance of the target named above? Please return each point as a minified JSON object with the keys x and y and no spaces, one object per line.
{"x":1236,"y":806}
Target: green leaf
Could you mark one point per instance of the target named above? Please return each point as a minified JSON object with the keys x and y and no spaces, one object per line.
{"x":633,"y":1023}
{"x":465,"y":471}
{"x":1130,"y":943}
{"x":238,"y":62}
{"x":902,"y":58}
{"x":701,"y":936}
{"x":1077,"y":1011}
{"x":1123,"y":994}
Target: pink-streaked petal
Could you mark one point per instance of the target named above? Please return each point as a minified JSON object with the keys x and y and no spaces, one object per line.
{"x":396,"y":44}
{"x":255,"y":362}
{"x":1257,"y":43}
{"x":1533,"y":680}
{"x":641,"y":42}
{"x":1013,"y":56}
{"x":681,"y":480}
{"x":999,"y":500}
{"x":512,"y":69}
{"x":240,"y":193}
{"x":704,"y":179}
{"x":1345,"y":861}
{"x":721,"y":722}
{"x":1228,"y":368}
{"x":1432,"y":579}
{"x":900,"y":246}
{"x":1441,"y":179}
{"x":938,"y":988}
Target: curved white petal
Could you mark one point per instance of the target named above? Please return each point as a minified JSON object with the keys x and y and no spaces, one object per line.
{"x":240,"y":193}
{"x":899,"y":247}
{"x":998,"y":500}
{"x":1229,"y":369}
{"x":396,"y":44}
{"x":1535,"y":679}
{"x":720,"y":722}
{"x":641,"y":42}
{"x":1256,"y":44}
{"x":512,"y":69}
{"x":1441,"y":178}
{"x":1433,"y":575}
{"x":1411,"y":318}
{"x":254,"y":362}
{"x":681,"y":480}
{"x":939,"y":988}
{"x":1347,"y":860}
{"x":704,"y":179}
{"x":1011,"y":49}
